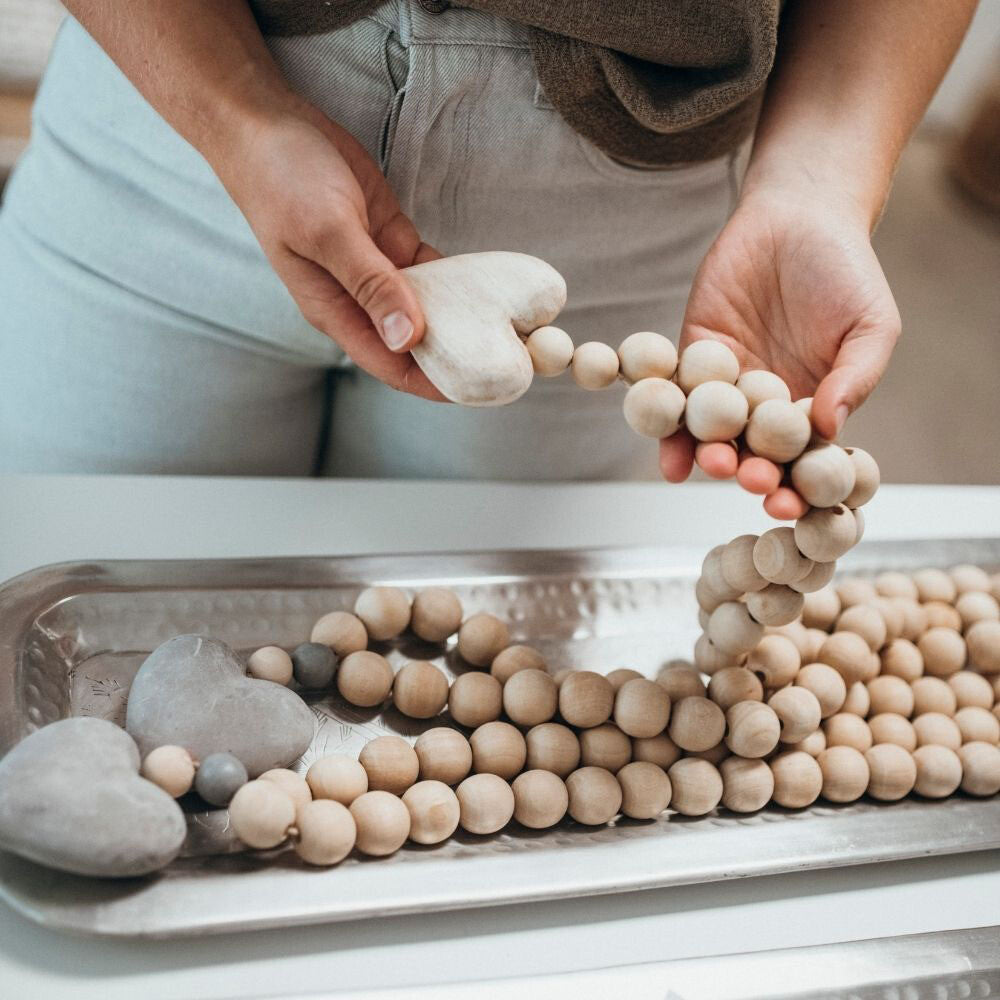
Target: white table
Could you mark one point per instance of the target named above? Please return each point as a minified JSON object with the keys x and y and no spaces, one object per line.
{"x":47,"y":519}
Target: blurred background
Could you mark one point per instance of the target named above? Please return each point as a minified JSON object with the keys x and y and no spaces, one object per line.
{"x":936,"y":416}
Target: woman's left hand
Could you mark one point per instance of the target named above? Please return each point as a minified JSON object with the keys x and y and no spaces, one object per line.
{"x":791,"y":285}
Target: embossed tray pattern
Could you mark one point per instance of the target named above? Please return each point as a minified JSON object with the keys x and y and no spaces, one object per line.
{"x":72,"y":637}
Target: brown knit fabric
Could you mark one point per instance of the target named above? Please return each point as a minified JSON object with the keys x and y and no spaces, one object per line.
{"x":649,"y":82}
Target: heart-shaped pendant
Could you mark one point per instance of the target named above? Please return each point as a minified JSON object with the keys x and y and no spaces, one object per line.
{"x":475,"y":305}
{"x":193,"y":692}
{"x":71,"y":798}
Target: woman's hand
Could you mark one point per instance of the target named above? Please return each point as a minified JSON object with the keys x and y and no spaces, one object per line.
{"x":791,"y":285}
{"x":336,"y":236}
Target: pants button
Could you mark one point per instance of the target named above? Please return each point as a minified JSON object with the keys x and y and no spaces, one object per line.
{"x":435,"y":6}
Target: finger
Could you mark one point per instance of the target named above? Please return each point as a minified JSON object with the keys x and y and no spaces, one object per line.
{"x":861,"y":361}
{"x":677,"y":456}
{"x":426,"y":252}
{"x":758,"y":475}
{"x":784,"y":504}
{"x":716,"y":459}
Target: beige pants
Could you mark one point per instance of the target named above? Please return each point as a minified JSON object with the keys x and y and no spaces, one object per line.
{"x":145,"y":332}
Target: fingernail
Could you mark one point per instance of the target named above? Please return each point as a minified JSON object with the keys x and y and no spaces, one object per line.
{"x":396,"y":330}
{"x":840,"y":415}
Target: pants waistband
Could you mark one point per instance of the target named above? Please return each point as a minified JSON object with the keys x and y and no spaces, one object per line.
{"x":433,"y":22}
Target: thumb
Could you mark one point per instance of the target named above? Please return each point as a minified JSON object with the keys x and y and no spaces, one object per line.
{"x":375,"y":283}
{"x":860,"y":364}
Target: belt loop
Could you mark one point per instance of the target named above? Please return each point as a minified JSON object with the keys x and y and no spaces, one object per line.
{"x":405,"y":22}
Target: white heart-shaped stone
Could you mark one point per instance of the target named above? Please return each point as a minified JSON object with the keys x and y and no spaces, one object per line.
{"x":475,"y":305}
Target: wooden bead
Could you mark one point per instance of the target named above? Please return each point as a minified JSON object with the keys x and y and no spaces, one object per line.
{"x":866,"y":621}
{"x":893,"y":772}
{"x":939,"y":771}
{"x":586,"y":699}
{"x":595,"y":797}
{"x":814,"y":744}
{"x":486,"y":803}
{"x":799,"y":636}
{"x":481,"y":639}
{"x":343,"y":632}
{"x":337,"y":777}
{"x":747,"y":785}
{"x":892,"y":583}
{"x":540,"y":799}
{"x":971,"y":690}
{"x":530,"y":697}
{"x":983,"y":640}
{"x":715,"y":580}
{"x":934,"y":585}
{"x":937,"y":729}
{"x":475,"y":699}
{"x":975,"y":606}
{"x":941,"y":615}
{"x":560,"y":675}
{"x":714,"y":755}
{"x":514,"y":658}
{"x":799,"y":712}
{"x":645,"y":790}
{"x":821,"y":608}
{"x":707,"y":598}
{"x":901,"y":658}
{"x":552,"y":747}
{"x":848,"y":654}
{"x":892,"y":614}
{"x":845,"y":730}
{"x":977,"y":725}
{"x":731,"y":629}
{"x":551,"y":350}
{"x":824,"y":475}
{"x":777,"y":558}
{"x":753,"y":729}
{"x":914,"y":617}
{"x":653,"y":407}
{"x":866,"y":477}
{"x":825,"y":533}
{"x":292,"y":784}
{"x":716,"y":411}
{"x":816,"y":579}
{"x":681,"y":681}
{"x":642,"y":708}
{"x":890,"y":728}
{"x":434,"y":812}
{"x":858,"y":700}
{"x":775,"y":605}
{"x":826,"y":683}
{"x":420,"y":690}
{"x":890,"y":694}
{"x":967,"y":577}
{"x":595,"y":365}
{"x":845,"y":773}
{"x":605,"y":746}
{"x":943,"y":651}
{"x":759,"y":385}
{"x":706,"y":361}
{"x":980,"y":768}
{"x":931,"y":694}
{"x":364,"y":678}
{"x":874,"y":667}
{"x":325,"y":832}
{"x":708,"y":659}
{"x":443,"y":754}
{"x":647,"y":355}
{"x":735,"y":684}
{"x":696,"y":724}
{"x":270,"y":663}
{"x":171,"y":768}
{"x":382,"y":822}
{"x":798,"y":779}
{"x":390,"y":763}
{"x":620,"y":676}
{"x":261,"y":814}
{"x":498,"y":748}
{"x":737,"y":565}
{"x":778,"y":430}
{"x":659,"y":750}
{"x":696,"y":786}
{"x":384,"y":611}
{"x":436,"y":614}
{"x":854,"y":590}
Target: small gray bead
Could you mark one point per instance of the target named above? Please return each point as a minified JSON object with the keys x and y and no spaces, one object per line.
{"x":313,"y":664}
{"x":220,"y":776}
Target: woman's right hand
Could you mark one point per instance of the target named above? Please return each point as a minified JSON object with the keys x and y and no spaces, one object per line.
{"x":336,"y":236}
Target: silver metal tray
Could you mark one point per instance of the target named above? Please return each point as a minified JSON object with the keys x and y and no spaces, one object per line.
{"x":72,"y":637}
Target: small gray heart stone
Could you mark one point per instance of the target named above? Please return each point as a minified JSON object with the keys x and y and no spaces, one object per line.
{"x":193,"y":692}
{"x":71,"y":798}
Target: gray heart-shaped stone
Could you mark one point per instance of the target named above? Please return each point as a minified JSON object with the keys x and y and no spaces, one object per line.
{"x":194,"y":692}
{"x":71,"y":798}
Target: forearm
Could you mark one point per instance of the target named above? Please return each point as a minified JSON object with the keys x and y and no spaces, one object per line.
{"x":851,"y":82}
{"x":201,"y":63}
